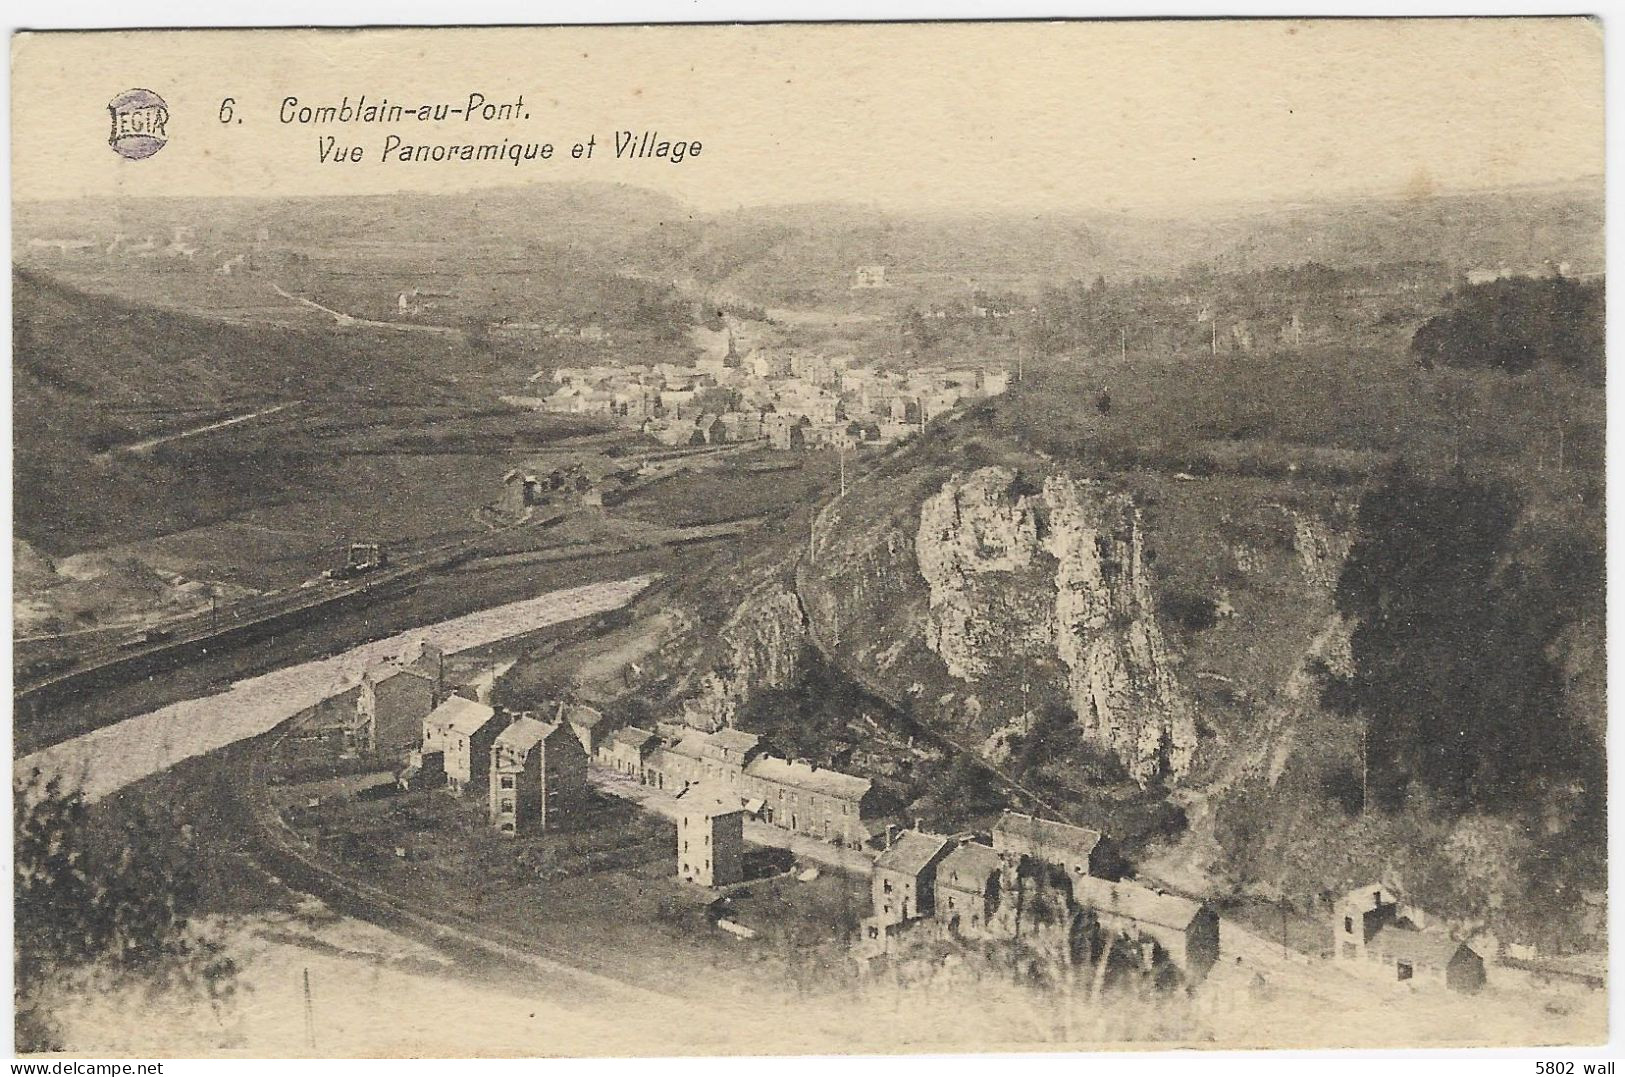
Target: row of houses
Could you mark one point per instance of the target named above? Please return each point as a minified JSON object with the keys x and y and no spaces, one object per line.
{"x":531,"y":769}
{"x":1375,"y":932}
{"x":965,"y":888}
{"x":791,"y":794}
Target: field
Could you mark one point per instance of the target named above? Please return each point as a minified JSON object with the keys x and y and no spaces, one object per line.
{"x":734,"y":490}
{"x":601,"y":894}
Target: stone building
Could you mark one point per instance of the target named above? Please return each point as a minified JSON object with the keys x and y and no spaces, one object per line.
{"x":627,"y":752}
{"x":464,"y":732}
{"x":538,"y":777}
{"x":967,"y":888}
{"x":591,"y":726}
{"x":1160,"y":925}
{"x":710,"y":835}
{"x":1074,"y":849}
{"x":813,"y":800}
{"x":902,"y":885}
{"x":394,"y":700}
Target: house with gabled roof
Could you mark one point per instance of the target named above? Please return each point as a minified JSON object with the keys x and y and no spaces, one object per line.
{"x":1076,"y":850}
{"x":1426,"y":958}
{"x":967,"y":888}
{"x":1377,"y":932}
{"x":394,"y":700}
{"x":591,"y":726}
{"x":710,"y":835}
{"x":463,"y":730}
{"x":1184,"y":932}
{"x":902,"y":884}
{"x":538,"y":776}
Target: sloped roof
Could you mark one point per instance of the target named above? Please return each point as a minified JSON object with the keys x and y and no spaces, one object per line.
{"x":525,"y":734}
{"x":632,"y":737}
{"x":911,"y":853}
{"x":1135,"y":902}
{"x":462,"y":716}
{"x":577,"y":714}
{"x":1429,"y":948}
{"x":713,"y":800}
{"x":388,"y":670}
{"x":1038,"y":836}
{"x":810,"y":778}
{"x":692,"y":745}
{"x":728,"y":740}
{"x":968,"y":866}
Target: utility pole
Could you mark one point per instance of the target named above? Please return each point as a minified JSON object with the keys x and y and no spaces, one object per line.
{"x":840,"y":452}
{"x":1213,"y":331}
{"x":1122,"y":342}
{"x":310,"y":1013}
{"x":1365,"y":725}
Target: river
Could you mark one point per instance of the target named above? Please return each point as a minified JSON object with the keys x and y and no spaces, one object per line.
{"x":107,"y":759}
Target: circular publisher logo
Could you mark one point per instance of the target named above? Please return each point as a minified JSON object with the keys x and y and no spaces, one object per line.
{"x":140,"y":123}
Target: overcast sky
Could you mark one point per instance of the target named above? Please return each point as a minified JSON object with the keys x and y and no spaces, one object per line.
{"x":1042,"y":116}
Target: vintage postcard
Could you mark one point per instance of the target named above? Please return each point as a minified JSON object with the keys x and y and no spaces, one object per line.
{"x":796,"y":538}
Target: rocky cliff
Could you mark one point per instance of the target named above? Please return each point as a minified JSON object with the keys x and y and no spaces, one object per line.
{"x":1018,"y":601}
{"x":1082,"y":544}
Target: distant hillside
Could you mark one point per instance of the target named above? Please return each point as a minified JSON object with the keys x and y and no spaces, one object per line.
{"x":558,"y":213}
{"x":801,"y":253}
{"x":90,"y":373}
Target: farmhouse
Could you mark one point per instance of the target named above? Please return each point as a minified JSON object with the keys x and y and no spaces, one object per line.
{"x":1183,"y":931}
{"x":538,"y":776}
{"x":967,"y":888}
{"x":902,"y":884}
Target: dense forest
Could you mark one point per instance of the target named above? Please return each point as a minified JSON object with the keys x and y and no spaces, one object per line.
{"x":1517,"y":325}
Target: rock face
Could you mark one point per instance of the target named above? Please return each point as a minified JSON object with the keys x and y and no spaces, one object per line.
{"x":761,"y":648}
{"x":1106,"y":633}
{"x":982,"y":531}
{"x":975,"y":527}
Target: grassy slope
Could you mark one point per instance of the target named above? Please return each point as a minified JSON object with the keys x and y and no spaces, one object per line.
{"x":91,"y":373}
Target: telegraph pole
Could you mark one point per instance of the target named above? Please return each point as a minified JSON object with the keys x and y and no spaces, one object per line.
{"x":310,"y":1013}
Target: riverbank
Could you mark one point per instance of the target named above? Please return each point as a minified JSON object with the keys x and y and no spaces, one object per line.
{"x":106,"y":759}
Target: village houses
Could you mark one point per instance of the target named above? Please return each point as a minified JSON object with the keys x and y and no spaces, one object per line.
{"x":394,"y":700}
{"x":538,"y":776}
{"x":462,"y":731}
{"x":710,"y":835}
{"x":794,"y":399}
{"x":1374,"y":931}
